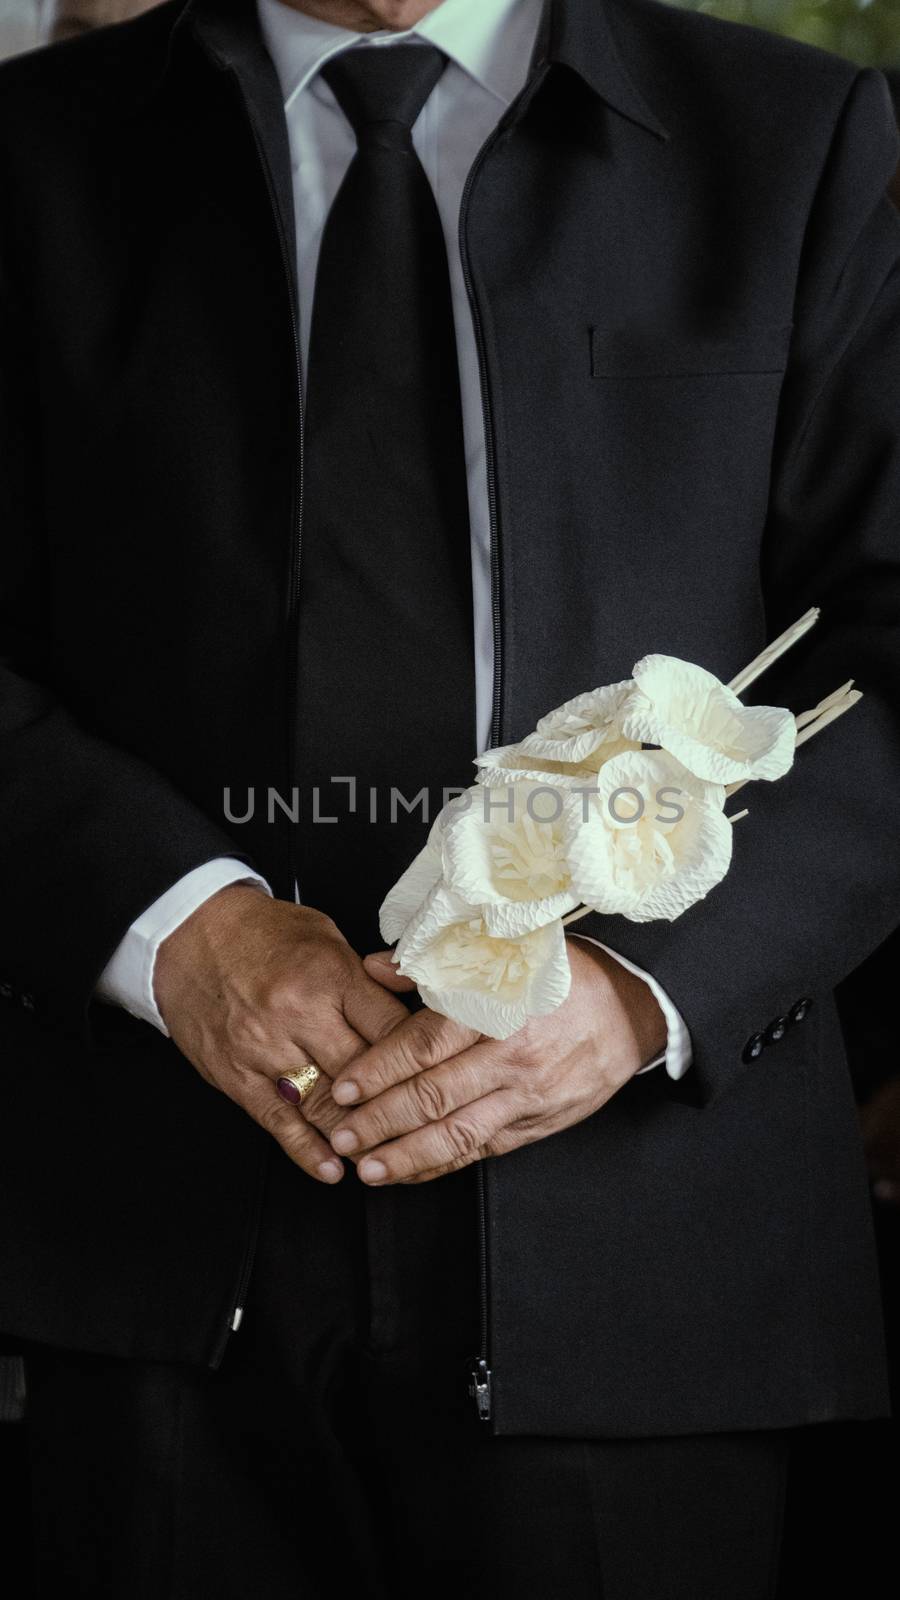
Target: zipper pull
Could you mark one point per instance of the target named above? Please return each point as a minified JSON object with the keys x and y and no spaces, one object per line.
{"x":480,"y":1388}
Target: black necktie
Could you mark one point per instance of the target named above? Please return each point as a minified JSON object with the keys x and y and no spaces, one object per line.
{"x":386,"y":665}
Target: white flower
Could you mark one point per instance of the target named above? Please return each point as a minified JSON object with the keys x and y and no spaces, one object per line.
{"x":690,"y":713}
{"x":506,"y":855}
{"x":491,"y":984}
{"x":652,"y":853}
{"x":584,"y":731}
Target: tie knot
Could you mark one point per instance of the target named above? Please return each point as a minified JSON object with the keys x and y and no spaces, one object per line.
{"x":381,"y":84}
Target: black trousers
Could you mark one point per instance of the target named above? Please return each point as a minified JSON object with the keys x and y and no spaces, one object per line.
{"x":337,"y":1445}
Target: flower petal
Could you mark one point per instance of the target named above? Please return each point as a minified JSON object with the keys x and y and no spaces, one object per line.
{"x":653,"y":842}
{"x":413,"y":886}
{"x":690,"y":713}
{"x":490,"y":984}
{"x":506,"y":855}
{"x":577,"y":729}
{"x":507,"y":764}
{"x":510,"y":919}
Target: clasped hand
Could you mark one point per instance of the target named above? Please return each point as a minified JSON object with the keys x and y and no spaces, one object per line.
{"x":433,"y":1095}
{"x":250,"y":988}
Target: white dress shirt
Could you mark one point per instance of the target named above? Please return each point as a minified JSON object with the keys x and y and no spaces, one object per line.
{"x":489,"y":44}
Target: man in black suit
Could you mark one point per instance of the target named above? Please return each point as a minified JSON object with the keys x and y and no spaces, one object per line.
{"x":537,"y":1317}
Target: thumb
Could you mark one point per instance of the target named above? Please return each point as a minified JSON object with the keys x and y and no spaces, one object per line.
{"x":380,"y":966}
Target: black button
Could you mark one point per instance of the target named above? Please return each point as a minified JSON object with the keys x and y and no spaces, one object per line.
{"x":776,"y":1030}
{"x":799,"y":1009}
{"x":754,"y":1047}
{"x":27,"y":1001}
{"x":6,"y":991}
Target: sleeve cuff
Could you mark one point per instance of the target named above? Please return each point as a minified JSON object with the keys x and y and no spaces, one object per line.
{"x":127,"y":978}
{"x":678,"y":1051}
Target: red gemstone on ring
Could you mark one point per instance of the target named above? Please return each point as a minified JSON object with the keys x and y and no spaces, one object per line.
{"x":288,"y":1091}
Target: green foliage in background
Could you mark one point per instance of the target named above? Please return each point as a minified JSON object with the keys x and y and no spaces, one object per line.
{"x":866,"y":31}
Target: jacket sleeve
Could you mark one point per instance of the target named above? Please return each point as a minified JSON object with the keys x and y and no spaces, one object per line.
{"x":89,"y":834}
{"x":814,"y":884}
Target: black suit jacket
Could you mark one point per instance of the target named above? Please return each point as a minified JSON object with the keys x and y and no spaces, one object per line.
{"x":686,"y":278}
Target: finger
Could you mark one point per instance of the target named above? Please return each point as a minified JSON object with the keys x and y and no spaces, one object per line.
{"x":511,"y":1137}
{"x":328,"y":1040}
{"x":371,"y":1010}
{"x":324,"y":1117}
{"x":289,"y":1128}
{"x":421,"y":1041}
{"x":318,"y":1107}
{"x":380,"y":966}
{"x":423,"y":1098}
{"x":457,"y":1140}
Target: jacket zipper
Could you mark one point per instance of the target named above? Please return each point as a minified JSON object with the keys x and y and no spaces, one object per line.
{"x":480,"y":1372}
{"x":236,"y":1313}
{"x":237,"y":1304}
{"x":480,"y":1376}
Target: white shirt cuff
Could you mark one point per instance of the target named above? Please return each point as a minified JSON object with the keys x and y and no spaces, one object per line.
{"x":678,"y":1051}
{"x":127,"y":978}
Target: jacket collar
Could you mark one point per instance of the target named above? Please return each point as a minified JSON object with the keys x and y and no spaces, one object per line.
{"x":590,"y":37}
{"x":585,"y":35}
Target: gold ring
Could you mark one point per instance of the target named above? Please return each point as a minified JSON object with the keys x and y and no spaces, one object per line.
{"x":295,"y":1086}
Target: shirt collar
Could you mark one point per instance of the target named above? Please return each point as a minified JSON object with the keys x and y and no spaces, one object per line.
{"x":491,"y":40}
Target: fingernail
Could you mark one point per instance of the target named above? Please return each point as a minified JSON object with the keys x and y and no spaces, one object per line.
{"x":331,"y":1171}
{"x":372,"y":1171}
{"x":344,"y":1140}
{"x":345,"y":1093}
